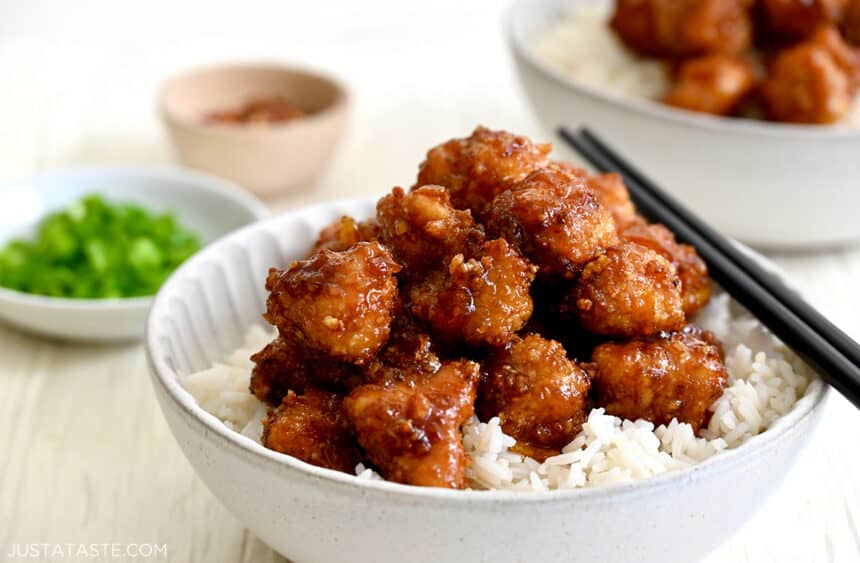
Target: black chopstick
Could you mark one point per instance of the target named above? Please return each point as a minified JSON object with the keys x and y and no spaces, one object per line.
{"x":828,"y":350}
{"x":787,"y":296}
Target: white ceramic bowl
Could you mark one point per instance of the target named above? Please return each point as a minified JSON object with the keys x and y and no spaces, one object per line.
{"x":312,"y":514}
{"x":767,"y":184}
{"x":207,"y":206}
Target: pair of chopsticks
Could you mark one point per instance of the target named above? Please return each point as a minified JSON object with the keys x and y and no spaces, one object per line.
{"x":823,"y":346}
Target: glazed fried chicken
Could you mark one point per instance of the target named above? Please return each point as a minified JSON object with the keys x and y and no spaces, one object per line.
{"x":846,"y":56}
{"x":609,"y":188}
{"x":631,"y":290}
{"x":345,"y":232}
{"x":538,"y":393}
{"x":492,"y":263}
{"x":811,"y":73}
{"x":673,"y":376}
{"x":613,"y":196}
{"x":555,"y":220}
{"x":423,"y":229}
{"x":284,"y":365}
{"x":411,"y":430}
{"x":483,"y":300}
{"x":479,"y":167}
{"x":692,"y":271}
{"x":683,"y":28}
{"x":796,"y":19}
{"x":850,"y":24}
{"x":337,"y":303}
{"x":313,"y":427}
{"x":812,"y":82}
{"x":278,"y":368}
{"x":409,"y":353}
{"x":716,"y":84}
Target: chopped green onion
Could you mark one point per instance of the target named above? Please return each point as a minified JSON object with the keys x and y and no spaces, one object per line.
{"x":97,"y":249}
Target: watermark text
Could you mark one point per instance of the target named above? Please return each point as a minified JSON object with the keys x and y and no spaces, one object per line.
{"x":59,"y":551}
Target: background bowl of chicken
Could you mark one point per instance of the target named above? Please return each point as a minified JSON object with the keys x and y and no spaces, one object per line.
{"x":310,"y":513}
{"x":767,"y":184}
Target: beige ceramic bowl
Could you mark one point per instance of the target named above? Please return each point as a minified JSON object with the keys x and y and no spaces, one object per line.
{"x":265,"y":158}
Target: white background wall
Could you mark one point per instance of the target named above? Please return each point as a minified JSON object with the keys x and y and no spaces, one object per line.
{"x":140,"y":20}
{"x":80,"y":77}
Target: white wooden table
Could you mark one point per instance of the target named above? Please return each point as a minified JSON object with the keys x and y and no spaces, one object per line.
{"x":86,"y":456}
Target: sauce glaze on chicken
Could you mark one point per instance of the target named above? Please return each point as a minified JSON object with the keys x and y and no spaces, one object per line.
{"x":501,"y":284}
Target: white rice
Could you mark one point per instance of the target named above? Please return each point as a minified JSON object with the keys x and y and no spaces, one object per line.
{"x":222,"y":390}
{"x":582,"y":46}
{"x":765,"y":381}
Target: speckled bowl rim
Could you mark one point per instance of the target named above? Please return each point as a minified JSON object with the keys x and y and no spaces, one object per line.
{"x":522,"y":48}
{"x":210,"y":428}
{"x":340,"y":103}
{"x":202,"y":182}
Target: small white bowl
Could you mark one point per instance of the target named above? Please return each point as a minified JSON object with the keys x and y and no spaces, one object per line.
{"x":207,"y":206}
{"x":308,"y":513}
{"x":767,"y":184}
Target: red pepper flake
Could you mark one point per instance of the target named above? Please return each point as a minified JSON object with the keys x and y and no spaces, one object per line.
{"x":261,"y":110}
